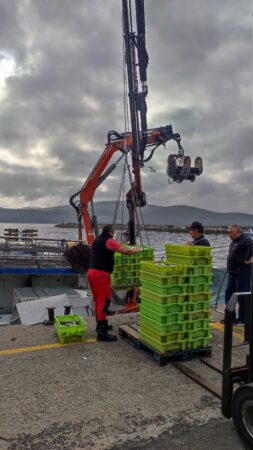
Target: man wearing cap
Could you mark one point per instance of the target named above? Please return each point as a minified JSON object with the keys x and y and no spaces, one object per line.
{"x":196,"y":231}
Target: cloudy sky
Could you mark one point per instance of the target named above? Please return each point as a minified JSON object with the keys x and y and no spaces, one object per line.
{"x":61,"y":90}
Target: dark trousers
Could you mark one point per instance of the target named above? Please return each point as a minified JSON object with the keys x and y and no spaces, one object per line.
{"x":238,"y":282}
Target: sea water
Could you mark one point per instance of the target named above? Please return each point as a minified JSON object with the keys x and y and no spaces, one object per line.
{"x":157,"y":240}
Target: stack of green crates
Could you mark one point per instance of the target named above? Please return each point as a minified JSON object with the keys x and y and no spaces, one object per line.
{"x":199,"y":278}
{"x":127,"y":267}
{"x":163,"y":306}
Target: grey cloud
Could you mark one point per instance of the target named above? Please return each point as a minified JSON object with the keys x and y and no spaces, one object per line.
{"x":69,"y":92}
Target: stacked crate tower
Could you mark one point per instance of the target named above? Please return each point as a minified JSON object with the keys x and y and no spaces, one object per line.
{"x":163,"y":306}
{"x":127,"y":267}
{"x":175,"y":298}
{"x":199,"y":278}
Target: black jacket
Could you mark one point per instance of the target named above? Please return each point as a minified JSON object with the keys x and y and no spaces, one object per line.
{"x":101,"y":257}
{"x":201,"y":240}
{"x":240,"y":250}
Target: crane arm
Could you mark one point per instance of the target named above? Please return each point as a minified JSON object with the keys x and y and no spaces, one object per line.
{"x":122,"y":143}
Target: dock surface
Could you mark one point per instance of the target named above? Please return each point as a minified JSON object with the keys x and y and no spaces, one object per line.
{"x":105,"y":396}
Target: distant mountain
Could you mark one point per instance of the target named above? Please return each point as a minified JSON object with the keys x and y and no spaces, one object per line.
{"x":152,"y":214}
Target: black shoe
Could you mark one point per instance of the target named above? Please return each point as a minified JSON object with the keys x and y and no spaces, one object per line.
{"x":106,"y":337}
{"x":109,"y":327}
{"x":102,"y":332}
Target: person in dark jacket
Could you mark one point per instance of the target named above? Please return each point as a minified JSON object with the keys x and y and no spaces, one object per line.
{"x":100,"y":268}
{"x":196,"y":231}
{"x":239,"y":267}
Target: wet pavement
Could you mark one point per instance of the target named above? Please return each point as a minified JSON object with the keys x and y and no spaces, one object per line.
{"x":105,"y":396}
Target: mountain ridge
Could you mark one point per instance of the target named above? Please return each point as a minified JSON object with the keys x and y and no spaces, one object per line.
{"x":152,"y":214}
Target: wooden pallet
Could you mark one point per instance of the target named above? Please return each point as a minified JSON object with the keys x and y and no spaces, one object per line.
{"x":129,"y":332}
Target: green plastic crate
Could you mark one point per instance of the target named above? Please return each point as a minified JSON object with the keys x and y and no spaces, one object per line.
{"x":160,"y":308}
{"x":197,"y":306}
{"x":125,"y":268}
{"x":189,"y":260}
{"x":164,"y":328}
{"x":126,"y":282}
{"x":195,"y":315}
{"x":198,"y":343}
{"x":198,"y":323}
{"x":199,"y":270}
{"x":161,"y":347}
{"x":162,"y":318}
{"x":198,"y":279}
{"x":182,"y":249}
{"x":161,"y":337}
{"x":121,"y":275}
{"x":191,"y":288}
{"x":164,"y":290}
{"x":199,"y":296}
{"x":200,"y":333}
{"x":163,"y":279}
{"x":163,"y":299}
{"x":163,"y":268}
{"x":71,"y":328}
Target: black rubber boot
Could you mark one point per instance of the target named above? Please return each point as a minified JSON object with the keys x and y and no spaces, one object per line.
{"x":109,"y":327}
{"x":102,"y":332}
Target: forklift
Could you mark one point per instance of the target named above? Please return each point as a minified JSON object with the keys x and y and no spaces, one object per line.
{"x":238,"y":402}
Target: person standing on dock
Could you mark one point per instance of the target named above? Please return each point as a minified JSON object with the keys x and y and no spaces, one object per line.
{"x":196,"y":231}
{"x":101,"y":266}
{"x":239,"y":267}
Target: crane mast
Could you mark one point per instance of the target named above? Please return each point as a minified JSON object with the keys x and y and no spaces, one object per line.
{"x":136,"y":56}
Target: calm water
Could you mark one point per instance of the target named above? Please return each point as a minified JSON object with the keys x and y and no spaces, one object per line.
{"x":157,"y":240}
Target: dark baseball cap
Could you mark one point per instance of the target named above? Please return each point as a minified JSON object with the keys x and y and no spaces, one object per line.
{"x":197,"y":226}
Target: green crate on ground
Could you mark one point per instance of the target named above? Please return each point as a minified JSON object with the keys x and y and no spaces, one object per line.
{"x":163,"y":318}
{"x":197,"y":306}
{"x":163,"y":299}
{"x":198,"y":279}
{"x":187,"y":250}
{"x":161,"y":347}
{"x":71,"y":328}
{"x":189,"y":260}
{"x":165,"y":328}
{"x":196,"y":324}
{"x":198,"y":343}
{"x":199,"y":296}
{"x":191,"y":288}
{"x":164,"y":290}
{"x":163,"y":309}
{"x":162,"y":337}
{"x":199,"y":270}
{"x":200,"y":333}
{"x":195,"y":315}
{"x":163,"y":279}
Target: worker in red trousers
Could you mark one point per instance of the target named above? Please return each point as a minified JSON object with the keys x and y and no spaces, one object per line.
{"x":100,"y":268}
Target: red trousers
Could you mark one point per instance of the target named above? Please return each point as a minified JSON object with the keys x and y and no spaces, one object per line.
{"x":100,"y":285}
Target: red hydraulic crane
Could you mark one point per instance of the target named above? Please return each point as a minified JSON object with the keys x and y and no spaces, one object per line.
{"x":136,"y":142}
